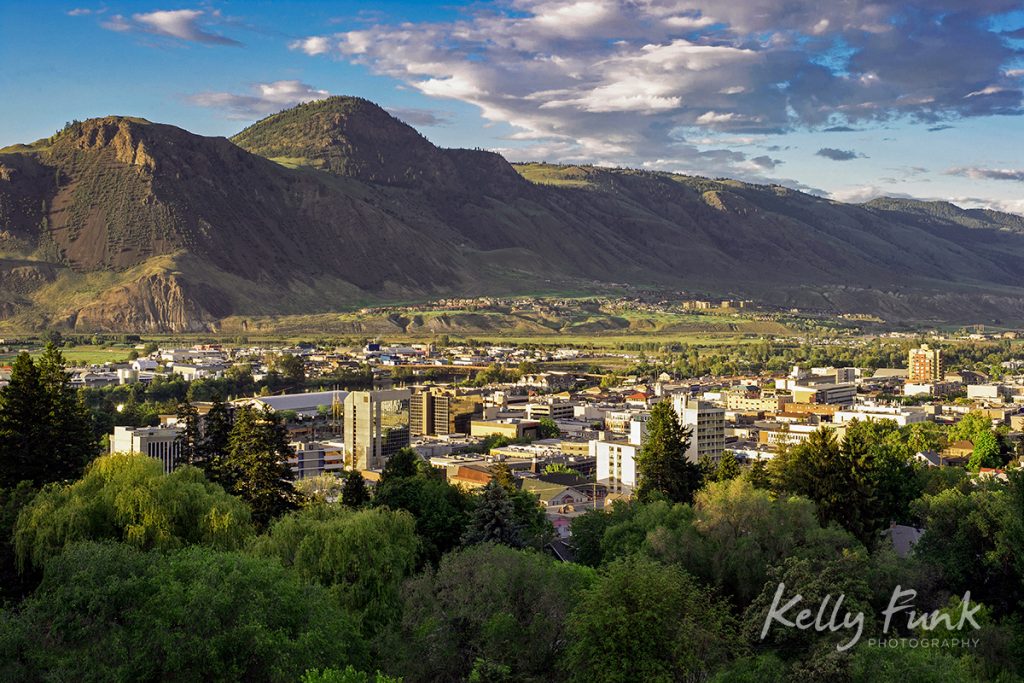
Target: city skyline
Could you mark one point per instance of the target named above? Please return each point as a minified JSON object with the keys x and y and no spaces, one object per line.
{"x":847,"y":100}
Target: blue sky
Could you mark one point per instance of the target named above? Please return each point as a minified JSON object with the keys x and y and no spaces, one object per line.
{"x":847,"y":98}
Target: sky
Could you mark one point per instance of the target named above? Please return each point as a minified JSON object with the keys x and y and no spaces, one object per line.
{"x":848,"y":99}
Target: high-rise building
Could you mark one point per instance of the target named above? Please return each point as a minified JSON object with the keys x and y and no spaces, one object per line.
{"x":440,"y":411}
{"x":706,"y":422}
{"x":924,"y":365}
{"x":376,"y":427}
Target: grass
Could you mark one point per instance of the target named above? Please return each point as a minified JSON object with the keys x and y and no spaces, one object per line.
{"x":81,"y":355}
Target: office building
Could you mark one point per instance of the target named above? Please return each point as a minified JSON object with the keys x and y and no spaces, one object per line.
{"x":438,"y":411}
{"x":376,"y":427}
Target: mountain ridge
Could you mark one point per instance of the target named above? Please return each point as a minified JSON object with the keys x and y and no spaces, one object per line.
{"x":118,"y":223}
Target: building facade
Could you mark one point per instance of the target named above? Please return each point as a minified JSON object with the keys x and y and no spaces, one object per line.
{"x":156,"y":442}
{"x":376,"y":427}
{"x":706,"y":422}
{"x":924,"y":365}
{"x":437,"y":411}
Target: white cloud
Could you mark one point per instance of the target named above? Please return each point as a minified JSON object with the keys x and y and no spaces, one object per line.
{"x":314,"y":45}
{"x":265,"y":99}
{"x":182,"y":24}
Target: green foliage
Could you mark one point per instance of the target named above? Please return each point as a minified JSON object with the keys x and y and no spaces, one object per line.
{"x":363,"y":555}
{"x":256,"y":466}
{"x":661,"y":465}
{"x":548,"y":429}
{"x":736,"y":532}
{"x":13,"y":584}
{"x":354,"y":493}
{"x":347,"y":675}
{"x":491,"y":602}
{"x":440,"y":509}
{"x":644,"y":621}
{"x":401,"y":464}
{"x":45,"y":430}
{"x":109,"y":612}
{"x":559,"y":468}
{"x":128,"y":498}
{"x":189,"y":439}
{"x":987,"y":452}
{"x":493,"y":520}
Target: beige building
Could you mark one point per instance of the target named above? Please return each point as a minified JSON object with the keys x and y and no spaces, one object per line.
{"x":156,"y":442}
{"x":376,"y":427}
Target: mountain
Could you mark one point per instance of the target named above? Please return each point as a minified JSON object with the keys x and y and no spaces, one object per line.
{"x":121,"y":224}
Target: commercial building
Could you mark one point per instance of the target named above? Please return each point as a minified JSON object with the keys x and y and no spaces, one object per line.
{"x":706,"y":422}
{"x":376,"y":427}
{"x":924,"y":365}
{"x":511,"y":428}
{"x":156,"y":442}
{"x":902,"y":416}
{"x":438,"y":411}
{"x":556,"y":410}
{"x":616,"y":458}
{"x":314,"y":458}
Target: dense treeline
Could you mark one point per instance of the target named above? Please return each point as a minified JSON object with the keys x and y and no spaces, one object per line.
{"x":223,"y":571}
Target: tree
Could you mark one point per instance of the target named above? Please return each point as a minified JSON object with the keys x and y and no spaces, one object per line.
{"x":363,"y":555}
{"x":661,"y":464}
{"x":987,"y":451}
{"x":644,"y":621}
{"x":493,"y":520}
{"x":728,"y":467}
{"x":401,"y":464}
{"x":45,"y":430}
{"x":106,"y":611}
{"x":347,"y":675}
{"x":353,"y":492}
{"x":256,"y":467}
{"x":441,"y":511}
{"x":216,"y":439}
{"x":128,"y":498}
{"x":757,"y":475}
{"x":502,"y":473}
{"x":548,"y":429}
{"x":189,"y":439}
{"x":488,"y":602}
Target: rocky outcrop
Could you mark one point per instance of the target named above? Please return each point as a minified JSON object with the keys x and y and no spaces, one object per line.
{"x":155,"y":303}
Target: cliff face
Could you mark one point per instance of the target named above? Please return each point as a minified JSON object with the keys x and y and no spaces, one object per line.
{"x":119,"y":223}
{"x":156,"y":303}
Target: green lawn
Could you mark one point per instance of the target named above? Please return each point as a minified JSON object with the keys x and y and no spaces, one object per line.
{"x":83,"y":355}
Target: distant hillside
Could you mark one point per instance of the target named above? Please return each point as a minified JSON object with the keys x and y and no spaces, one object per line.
{"x":122,"y":224}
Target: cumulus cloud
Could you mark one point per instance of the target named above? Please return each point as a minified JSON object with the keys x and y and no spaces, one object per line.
{"x":629,"y":82}
{"x":264,"y":99}
{"x":421,"y":117}
{"x":85,"y":11}
{"x":837,"y":154}
{"x":182,"y":24}
{"x":977,"y":173}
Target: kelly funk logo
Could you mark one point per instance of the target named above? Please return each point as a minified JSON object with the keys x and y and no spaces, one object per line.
{"x":830,"y":616}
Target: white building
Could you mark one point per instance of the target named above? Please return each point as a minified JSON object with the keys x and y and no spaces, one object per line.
{"x":707,"y":426}
{"x":616,"y":458}
{"x":156,"y":442}
{"x":872,"y":413}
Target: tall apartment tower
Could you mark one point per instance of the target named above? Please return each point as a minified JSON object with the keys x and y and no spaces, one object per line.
{"x":707,"y":427}
{"x":924,"y":365}
{"x":440,"y":411}
{"x":376,"y":427}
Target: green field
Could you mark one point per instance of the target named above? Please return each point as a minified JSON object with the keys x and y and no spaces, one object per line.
{"x":83,"y":355}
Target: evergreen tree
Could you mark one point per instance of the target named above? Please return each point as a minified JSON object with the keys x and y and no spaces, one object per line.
{"x":256,"y":467}
{"x":494,"y":519}
{"x":661,"y":464}
{"x":216,"y":440}
{"x":45,"y":429}
{"x":502,"y":473}
{"x":353,"y":492}
{"x":189,"y":439}
{"x":728,"y":467}
{"x":758,"y":475}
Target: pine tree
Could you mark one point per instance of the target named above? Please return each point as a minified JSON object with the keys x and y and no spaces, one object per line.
{"x":216,"y":441}
{"x":353,"y":492}
{"x":45,"y":429}
{"x":502,"y":473}
{"x":728,"y":467}
{"x":758,"y":475}
{"x":256,"y":467}
{"x":494,"y":519}
{"x":661,"y":464}
{"x":189,"y":439}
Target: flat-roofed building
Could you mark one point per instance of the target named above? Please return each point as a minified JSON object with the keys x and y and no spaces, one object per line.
{"x":376,"y":427}
{"x":440,"y":411}
{"x":706,"y":422}
{"x":160,"y":443}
